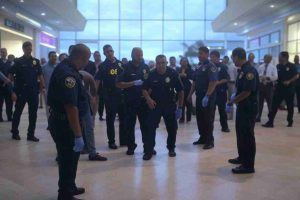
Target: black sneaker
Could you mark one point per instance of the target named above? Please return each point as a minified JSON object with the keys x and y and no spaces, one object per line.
{"x":208,"y":146}
{"x":33,"y":139}
{"x":226,"y":130}
{"x":268,"y":125}
{"x":200,"y":141}
{"x":97,"y":157}
{"x":78,"y":191}
{"x":243,"y":170}
{"x":235,"y":161}
{"x":147,"y":156}
{"x":16,"y":137}
{"x":113,"y":146}
{"x":153,"y":152}
{"x":290,"y":124}
{"x":130,"y":150}
{"x":172,"y":153}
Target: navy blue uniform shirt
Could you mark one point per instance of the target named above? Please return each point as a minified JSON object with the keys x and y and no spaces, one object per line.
{"x":205,"y":73}
{"x":163,"y":87}
{"x":108,"y":73}
{"x":66,"y":87}
{"x":286,"y":72}
{"x":5,"y":67}
{"x":26,"y":72}
{"x":132,"y":73}
{"x":223,"y":74}
{"x":248,"y":80}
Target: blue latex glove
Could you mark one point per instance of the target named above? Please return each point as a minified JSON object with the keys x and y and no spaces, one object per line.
{"x":232,"y":97}
{"x":228,"y":108}
{"x":205,"y":101}
{"x":178,"y":113}
{"x":78,"y":144}
{"x":138,"y":82}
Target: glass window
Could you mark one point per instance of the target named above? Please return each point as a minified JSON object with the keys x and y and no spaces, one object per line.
{"x":114,"y":44}
{"x":194,"y":9}
{"x":88,"y":9}
{"x":152,"y":9}
{"x":173,"y":48}
{"x":214,"y":8}
{"x":109,"y":30}
{"x":274,"y":51}
{"x":126,"y":47}
{"x":109,"y":9}
{"x":130,"y":9}
{"x":151,"y":49}
{"x":298,"y":47}
{"x":234,"y":44}
{"x":152,"y":30}
{"x":234,"y":36}
{"x":173,"y":30}
{"x":130,"y":30}
{"x":292,"y":32}
{"x":299,"y":31}
{"x":64,"y":45}
{"x":67,"y":35}
{"x":90,"y":31}
{"x":253,"y":43}
{"x":292,"y":47}
{"x":92,"y":45}
{"x":275,"y":37}
{"x":264,"y":40}
{"x":262,"y":53}
{"x":194,"y":30}
{"x":211,"y":35}
{"x":173,"y":9}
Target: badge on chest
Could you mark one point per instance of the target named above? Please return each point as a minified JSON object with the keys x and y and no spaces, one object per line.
{"x":113,"y":72}
{"x":167,"y":80}
{"x":287,"y":69}
{"x":145,"y":74}
{"x":34,"y":63}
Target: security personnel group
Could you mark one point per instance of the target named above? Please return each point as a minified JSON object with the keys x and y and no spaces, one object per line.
{"x":134,"y":91}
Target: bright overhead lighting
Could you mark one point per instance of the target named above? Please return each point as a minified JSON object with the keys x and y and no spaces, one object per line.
{"x":3,"y":7}
{"x":235,"y":24}
{"x":49,"y":34}
{"x":47,"y":45}
{"x":272,"y":6}
{"x":43,"y":14}
{"x":21,"y":1}
{"x":291,"y":18}
{"x":16,"y":33}
{"x":31,"y":21}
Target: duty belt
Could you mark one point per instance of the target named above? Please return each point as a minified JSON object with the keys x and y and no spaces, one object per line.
{"x":57,"y":115}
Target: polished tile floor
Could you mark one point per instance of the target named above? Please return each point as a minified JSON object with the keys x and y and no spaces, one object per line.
{"x":28,"y":170}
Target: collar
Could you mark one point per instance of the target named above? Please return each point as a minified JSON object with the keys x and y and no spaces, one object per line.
{"x":205,"y":62}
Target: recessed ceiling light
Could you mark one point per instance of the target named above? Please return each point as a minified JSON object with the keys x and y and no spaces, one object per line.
{"x":21,"y":1}
{"x":272,"y":6}
{"x":235,"y":24}
{"x":43,"y":14}
{"x":3,"y":7}
{"x":290,"y":18}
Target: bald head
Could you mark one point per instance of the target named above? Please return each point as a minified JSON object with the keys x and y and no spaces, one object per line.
{"x":267,"y":58}
{"x":137,"y":55}
{"x":3,"y":53}
{"x":80,"y":55}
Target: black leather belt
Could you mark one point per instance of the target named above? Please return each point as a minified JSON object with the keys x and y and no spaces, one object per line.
{"x":57,"y":115}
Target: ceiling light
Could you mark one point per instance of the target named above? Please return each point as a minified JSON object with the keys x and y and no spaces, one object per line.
{"x":235,"y":24}
{"x":43,"y":14}
{"x":3,"y":7}
{"x":27,"y":19}
{"x":16,"y":33}
{"x":291,"y":18}
{"x":272,"y":6}
{"x":21,"y":1}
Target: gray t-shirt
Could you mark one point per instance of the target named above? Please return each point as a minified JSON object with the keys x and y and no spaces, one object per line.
{"x":47,"y":72}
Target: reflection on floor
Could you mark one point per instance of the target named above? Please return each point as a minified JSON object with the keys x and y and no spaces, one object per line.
{"x":29,"y":172}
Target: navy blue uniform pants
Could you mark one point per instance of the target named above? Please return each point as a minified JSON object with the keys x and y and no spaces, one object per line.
{"x":265,"y":93}
{"x":281,"y":94}
{"x":32,"y":100}
{"x":244,"y":124}
{"x":5,"y":96}
{"x":205,"y":119}
{"x":221,"y":103}
{"x":167,"y":111}
{"x":114,"y":105}
{"x":101,"y":104}
{"x":63,"y":137}
{"x":134,"y":109}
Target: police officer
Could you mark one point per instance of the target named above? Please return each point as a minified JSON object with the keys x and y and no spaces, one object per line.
{"x":159,"y":93}
{"x":221,"y":89}
{"x":68,"y":100}
{"x":247,"y":85}
{"x":284,"y":90}
{"x":205,"y":81}
{"x":5,"y":66}
{"x":26,"y":72}
{"x":113,"y":96}
{"x":131,"y":79}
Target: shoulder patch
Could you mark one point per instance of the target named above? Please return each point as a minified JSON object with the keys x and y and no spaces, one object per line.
{"x":34,"y":62}
{"x":70,"y":82}
{"x":249,"y":76}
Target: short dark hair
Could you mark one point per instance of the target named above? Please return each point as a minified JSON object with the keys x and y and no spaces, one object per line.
{"x":61,"y":55}
{"x":96,"y":52}
{"x":240,"y":53}
{"x":26,"y":44}
{"x":160,"y":56}
{"x":106,"y":46}
{"x":226,"y":57}
{"x":51,"y":52}
{"x":172,"y":57}
{"x":204,"y":49}
{"x":284,"y":54}
{"x":70,"y":48}
{"x":215,"y":53}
